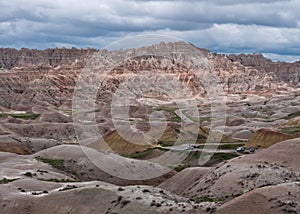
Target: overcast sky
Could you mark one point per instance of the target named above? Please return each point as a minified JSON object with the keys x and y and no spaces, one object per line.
{"x":271,"y":27}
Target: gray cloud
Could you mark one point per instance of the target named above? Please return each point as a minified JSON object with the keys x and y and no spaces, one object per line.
{"x":266,"y":26}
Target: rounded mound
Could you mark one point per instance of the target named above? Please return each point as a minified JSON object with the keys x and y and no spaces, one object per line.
{"x":264,"y":138}
{"x":76,"y":161}
{"x":283,"y":198}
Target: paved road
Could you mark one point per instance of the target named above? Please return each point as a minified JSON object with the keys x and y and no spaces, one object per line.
{"x":183,"y":117}
{"x":183,"y":147}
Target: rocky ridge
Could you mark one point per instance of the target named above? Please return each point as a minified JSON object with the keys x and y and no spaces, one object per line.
{"x":48,"y":77}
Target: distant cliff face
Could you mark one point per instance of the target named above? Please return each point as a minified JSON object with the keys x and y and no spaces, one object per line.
{"x":30,"y":77}
{"x":280,"y":71}
{"x":11,"y":58}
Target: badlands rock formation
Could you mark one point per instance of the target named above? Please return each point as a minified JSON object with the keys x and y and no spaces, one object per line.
{"x":264,"y":138}
{"x":44,"y":169}
{"x":48,"y":77}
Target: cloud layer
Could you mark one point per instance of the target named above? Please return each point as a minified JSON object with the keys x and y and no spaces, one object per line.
{"x":227,"y":26}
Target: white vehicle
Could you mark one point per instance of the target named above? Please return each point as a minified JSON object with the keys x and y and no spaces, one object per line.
{"x":189,"y":147}
{"x":240,"y":149}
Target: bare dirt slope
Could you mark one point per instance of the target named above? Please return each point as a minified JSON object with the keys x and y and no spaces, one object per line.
{"x":278,"y":199}
{"x":267,"y":137}
{"x":77,"y":162}
{"x":275,"y":165}
{"x":181,"y":182}
{"x":32,"y":196}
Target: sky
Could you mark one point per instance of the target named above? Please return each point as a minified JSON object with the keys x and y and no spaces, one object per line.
{"x":271,"y":27}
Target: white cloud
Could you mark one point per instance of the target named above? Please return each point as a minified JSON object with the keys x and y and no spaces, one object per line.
{"x":286,"y":58}
{"x":226,"y":26}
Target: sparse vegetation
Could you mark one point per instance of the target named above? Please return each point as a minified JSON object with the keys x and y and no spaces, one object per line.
{"x":201,"y":138}
{"x":192,"y":160}
{"x":165,"y":108}
{"x":292,"y":115}
{"x":186,"y":113}
{"x":28,"y":174}
{"x":39,"y":193}
{"x":144,"y":154}
{"x":25,"y":116}
{"x":145,"y":190}
{"x":124,"y":203}
{"x":176,"y":118}
{"x":68,"y":187}
{"x":56,"y":180}
{"x":154,"y":203}
{"x":56,"y":163}
{"x":42,"y":171}
{"x":219,"y":157}
{"x":140,"y":155}
{"x":205,"y":199}
{"x":205,"y":119}
{"x":291,"y":130}
{"x":181,"y":167}
{"x":227,"y":140}
{"x":166,"y":143}
{"x":6,"y":181}
{"x":171,"y":111}
{"x":121,"y":189}
{"x":21,"y":189}
{"x":36,"y":193}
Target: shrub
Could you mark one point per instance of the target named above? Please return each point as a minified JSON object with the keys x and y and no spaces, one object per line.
{"x":56,"y":163}
{"x":5,"y":180}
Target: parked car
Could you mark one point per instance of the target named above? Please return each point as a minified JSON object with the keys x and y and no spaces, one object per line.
{"x":189,"y":147}
{"x":252,"y":150}
{"x":195,"y":146}
{"x":240,"y":149}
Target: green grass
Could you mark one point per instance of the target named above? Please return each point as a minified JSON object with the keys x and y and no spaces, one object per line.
{"x":192,"y":160}
{"x":218,"y":158}
{"x":140,"y":155}
{"x":144,"y":154}
{"x":25,"y":116}
{"x":199,"y":119}
{"x":193,"y":154}
{"x":165,"y":108}
{"x":171,"y":110}
{"x":56,"y":163}
{"x":207,"y":119}
{"x":181,"y":167}
{"x":166,"y":143}
{"x":176,"y":118}
{"x":6,"y":181}
{"x":201,"y":138}
{"x":292,"y":115}
{"x":291,"y":130}
{"x":205,"y":199}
